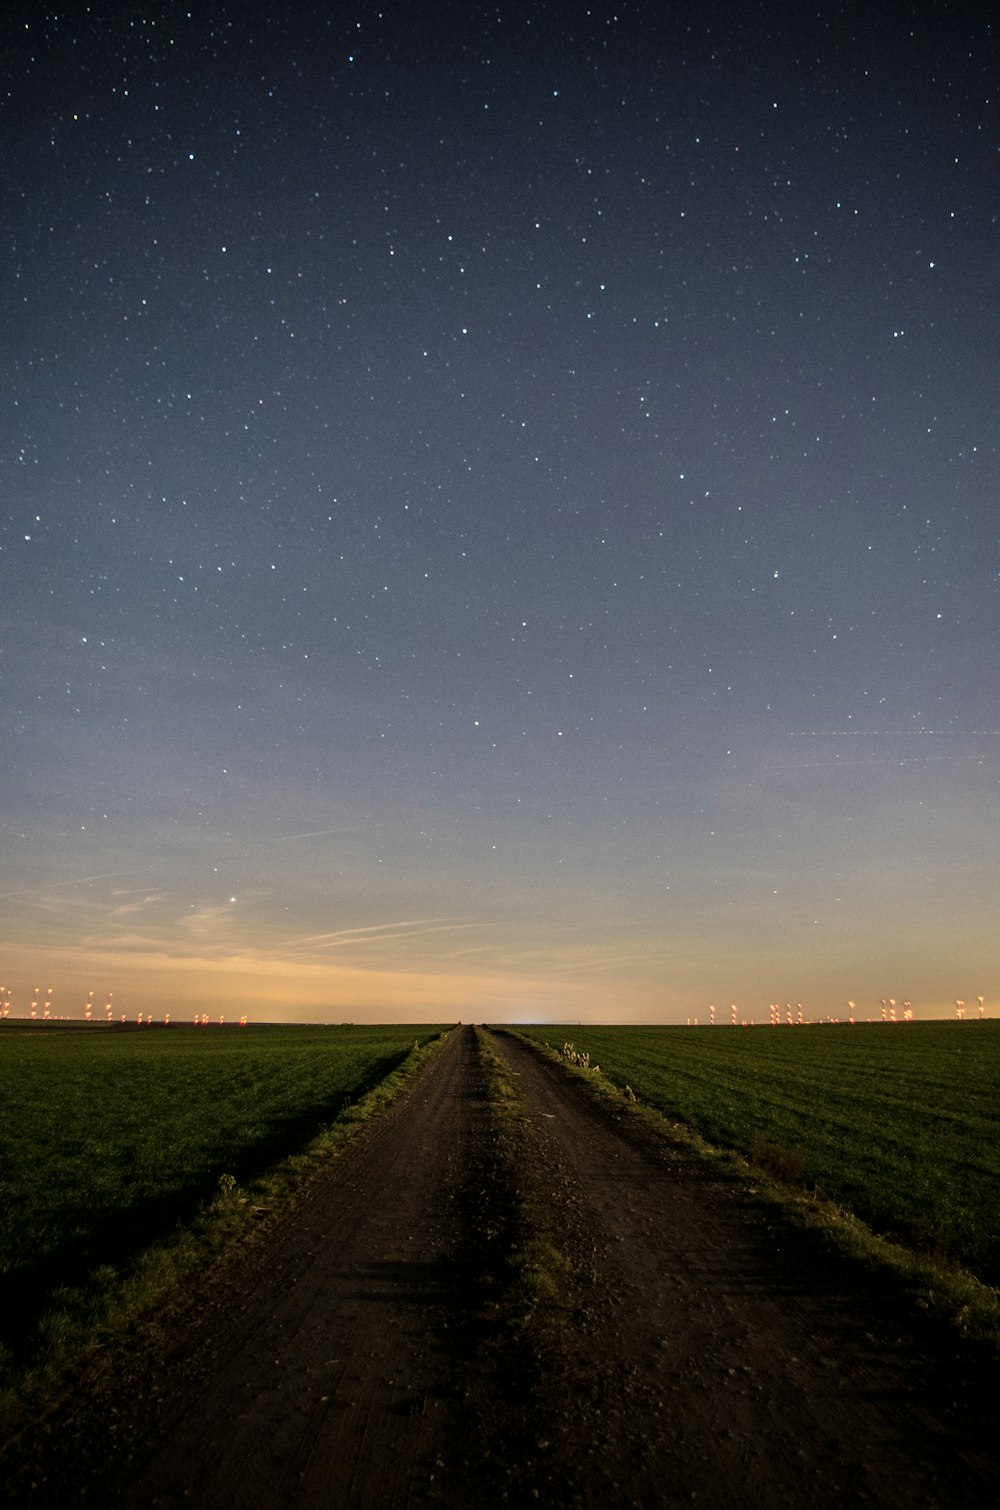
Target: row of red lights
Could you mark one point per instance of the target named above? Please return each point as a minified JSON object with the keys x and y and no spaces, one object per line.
{"x":793,"y":1016}
{"x":143,"y":1019}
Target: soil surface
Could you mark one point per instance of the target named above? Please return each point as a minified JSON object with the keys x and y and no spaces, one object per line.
{"x":378,"y":1349}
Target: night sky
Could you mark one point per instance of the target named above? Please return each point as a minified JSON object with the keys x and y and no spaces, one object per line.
{"x":498,"y":509}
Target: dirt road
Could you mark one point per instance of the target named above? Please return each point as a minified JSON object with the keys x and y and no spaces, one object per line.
{"x":369,"y":1352}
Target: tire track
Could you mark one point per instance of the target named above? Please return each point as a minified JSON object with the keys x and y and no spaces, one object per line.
{"x":328,"y":1364}
{"x":731,"y":1359}
{"x":331,"y":1382}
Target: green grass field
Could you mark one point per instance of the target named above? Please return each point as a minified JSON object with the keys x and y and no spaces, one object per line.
{"x":112,"y":1136}
{"x":898,"y":1123}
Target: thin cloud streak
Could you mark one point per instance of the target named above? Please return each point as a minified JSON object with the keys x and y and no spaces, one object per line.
{"x":378,"y":933}
{"x":27,"y":891}
{"x":322,"y":833}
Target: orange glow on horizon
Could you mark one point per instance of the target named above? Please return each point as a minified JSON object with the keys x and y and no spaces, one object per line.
{"x":565,"y":985}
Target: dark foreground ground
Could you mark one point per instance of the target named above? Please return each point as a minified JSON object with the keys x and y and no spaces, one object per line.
{"x":674,"y":1343}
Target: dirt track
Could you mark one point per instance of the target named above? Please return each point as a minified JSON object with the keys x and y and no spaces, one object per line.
{"x":364,"y":1355}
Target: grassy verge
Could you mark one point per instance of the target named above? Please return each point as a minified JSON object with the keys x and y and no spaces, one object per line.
{"x":934,"y":1282}
{"x":132,"y":1310}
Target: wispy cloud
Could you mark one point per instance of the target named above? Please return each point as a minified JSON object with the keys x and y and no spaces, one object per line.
{"x":211,"y":921}
{"x":146,"y":900}
{"x":322,"y":833}
{"x":27,"y":891}
{"x":376,"y":933}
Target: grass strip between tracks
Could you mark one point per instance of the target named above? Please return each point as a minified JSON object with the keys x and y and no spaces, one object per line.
{"x":537,"y":1285}
{"x":525,"y":1421}
{"x":89,"y":1330}
{"x":933,"y":1284}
